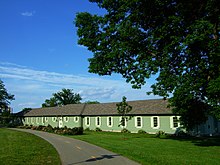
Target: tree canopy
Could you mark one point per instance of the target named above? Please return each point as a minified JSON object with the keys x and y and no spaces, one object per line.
{"x":177,"y":40}
{"x":64,"y":97}
{"x":5,"y":97}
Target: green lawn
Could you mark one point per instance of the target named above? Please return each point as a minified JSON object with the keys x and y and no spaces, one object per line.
{"x":146,"y":149}
{"x":23,"y":148}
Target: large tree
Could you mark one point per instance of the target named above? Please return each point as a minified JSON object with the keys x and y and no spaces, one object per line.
{"x":64,"y":97}
{"x":177,"y":40}
{"x":5,"y":97}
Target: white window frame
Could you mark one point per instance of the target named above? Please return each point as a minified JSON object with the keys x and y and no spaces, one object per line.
{"x":66,"y":118}
{"x":32,"y":120}
{"x":172,"y":124}
{"x":37,"y":120}
{"x":158,"y":122}
{"x":136,"y":122}
{"x":125,"y":122}
{"x":96,"y":121}
{"x":76,"y":119}
{"x":26,"y":119}
{"x":110,"y":117}
{"x":43,"y":120}
{"x":87,"y":119}
{"x":54,"y":119}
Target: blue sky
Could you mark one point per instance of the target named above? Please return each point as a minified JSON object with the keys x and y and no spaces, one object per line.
{"x":39,"y":54}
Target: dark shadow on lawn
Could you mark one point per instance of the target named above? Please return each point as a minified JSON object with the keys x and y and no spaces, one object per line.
{"x":96,"y":159}
{"x":198,"y":141}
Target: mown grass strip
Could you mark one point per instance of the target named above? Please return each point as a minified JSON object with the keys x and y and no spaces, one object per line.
{"x":146,"y":149}
{"x":23,"y":148}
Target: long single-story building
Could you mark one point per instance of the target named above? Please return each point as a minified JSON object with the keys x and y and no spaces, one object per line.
{"x":148,"y":115}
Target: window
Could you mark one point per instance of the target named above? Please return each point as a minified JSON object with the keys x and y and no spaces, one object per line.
{"x":37,"y":120}
{"x":66,"y":119}
{"x":87,"y":121}
{"x":155,"y":122}
{"x":32,"y":120}
{"x":138,"y":122}
{"x":26,"y":119}
{"x":46,"y":119}
{"x":76,"y":119}
{"x":98,"y":121}
{"x":109,"y":121}
{"x":54,"y":119}
{"x":43,"y":120}
{"x":174,"y":122}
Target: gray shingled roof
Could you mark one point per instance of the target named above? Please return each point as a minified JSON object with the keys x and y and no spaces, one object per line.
{"x":70,"y":110}
{"x":142,"y":107}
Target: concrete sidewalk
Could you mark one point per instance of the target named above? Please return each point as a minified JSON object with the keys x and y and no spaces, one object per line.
{"x":74,"y":151}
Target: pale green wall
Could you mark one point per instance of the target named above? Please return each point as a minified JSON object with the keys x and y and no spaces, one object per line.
{"x":71,"y":122}
{"x":164,"y":124}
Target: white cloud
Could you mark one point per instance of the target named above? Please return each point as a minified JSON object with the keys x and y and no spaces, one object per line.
{"x":34,"y":86}
{"x":28,"y":14}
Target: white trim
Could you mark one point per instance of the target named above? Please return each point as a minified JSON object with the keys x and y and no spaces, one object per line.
{"x":87,"y":119}
{"x":54,"y":119}
{"x":37,"y":120}
{"x":172,"y":124}
{"x":120,"y":122}
{"x":109,"y":120}
{"x":152,"y":122}
{"x":32,"y":120}
{"x":76,"y":119}
{"x":66,"y":118}
{"x":96,"y":121}
{"x":136,"y":122}
{"x":42,"y":120}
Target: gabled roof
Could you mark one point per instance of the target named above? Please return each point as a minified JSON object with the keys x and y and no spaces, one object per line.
{"x":142,"y":107}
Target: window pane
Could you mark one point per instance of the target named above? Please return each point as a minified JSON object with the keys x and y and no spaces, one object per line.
{"x":110,"y":121}
{"x":138,"y":121}
{"x":155,"y":122}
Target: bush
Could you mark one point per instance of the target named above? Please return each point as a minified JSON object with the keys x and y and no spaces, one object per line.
{"x":159,"y":134}
{"x":141,"y":131}
{"x":48,"y":128}
{"x":87,"y":129}
{"x":98,"y":130}
{"x":124,"y":130}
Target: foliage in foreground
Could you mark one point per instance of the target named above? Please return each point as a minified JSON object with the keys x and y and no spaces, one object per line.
{"x":23,"y":148}
{"x":149,"y":150}
{"x":175,"y":40}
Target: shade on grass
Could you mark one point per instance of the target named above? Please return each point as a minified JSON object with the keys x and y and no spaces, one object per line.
{"x":23,"y":148}
{"x":146,"y":149}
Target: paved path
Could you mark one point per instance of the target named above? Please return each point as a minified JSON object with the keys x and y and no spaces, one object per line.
{"x":77,"y":152}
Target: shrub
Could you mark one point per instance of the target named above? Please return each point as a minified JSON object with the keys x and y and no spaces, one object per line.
{"x":87,"y":129}
{"x":141,"y":131}
{"x":40,"y":127}
{"x":48,"y":128}
{"x":77,"y":130}
{"x":98,"y":130}
{"x":124,"y":130}
{"x":159,"y":134}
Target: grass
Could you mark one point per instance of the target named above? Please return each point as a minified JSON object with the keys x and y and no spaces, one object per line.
{"x":23,"y":148}
{"x":146,"y":149}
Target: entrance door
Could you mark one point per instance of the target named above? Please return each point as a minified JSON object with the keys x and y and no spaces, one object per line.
{"x":60,"y":122}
